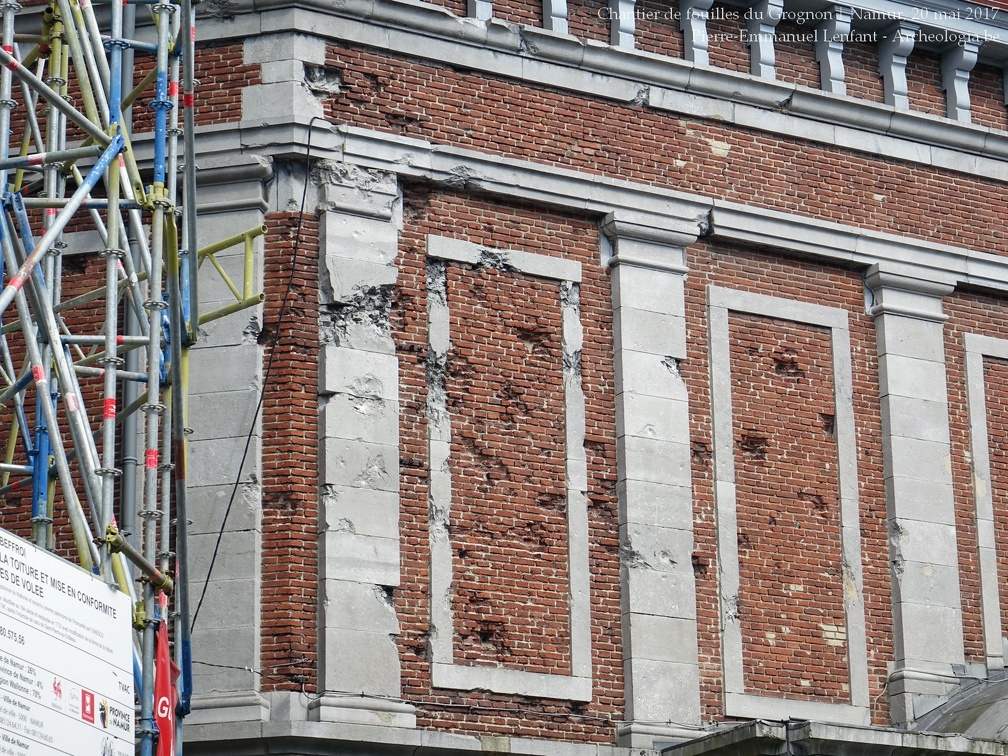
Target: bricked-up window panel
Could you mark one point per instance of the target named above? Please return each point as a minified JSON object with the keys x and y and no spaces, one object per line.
{"x":657,"y":28}
{"x":787,"y":502}
{"x":987,"y":99}
{"x":290,"y":516}
{"x":706,"y":157}
{"x":795,"y":53}
{"x":507,"y":227}
{"x":996,"y":394}
{"x":985,"y":316}
{"x":505,"y":395}
{"x":588,"y":19}
{"x":763,"y":273}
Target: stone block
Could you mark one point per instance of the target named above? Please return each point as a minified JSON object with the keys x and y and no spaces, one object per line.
{"x":237,"y":329}
{"x":361,"y":418}
{"x":924,"y":543}
{"x":358,"y":464}
{"x":915,"y":418}
{"x":930,"y":632}
{"x":910,"y":337}
{"x":658,"y":504}
{"x":361,"y":558}
{"x":924,"y":583}
{"x":912,"y":377}
{"x":359,"y":373}
{"x":360,"y":662}
{"x":264,"y":101}
{"x":225,"y":368}
{"x":228,"y":604}
{"x":669,"y":639}
{"x":277,"y":71}
{"x":362,"y":511}
{"x":652,"y":417}
{"x":347,"y":276}
{"x":218,"y":462}
{"x":236,"y":646}
{"x":237,"y":558}
{"x":359,"y":238}
{"x":652,"y":332}
{"x":658,"y":291}
{"x":660,"y":549}
{"x":207,"y":504}
{"x":663,"y":593}
{"x":919,"y":460}
{"x":222,"y":414}
{"x":357,"y":606}
{"x":654,"y":460}
{"x":925,"y":500}
{"x":366,"y":336}
{"x":649,"y":375}
{"x":663,"y":691}
{"x":287,"y":46}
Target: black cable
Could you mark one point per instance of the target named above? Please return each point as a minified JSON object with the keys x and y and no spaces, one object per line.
{"x":266,"y":375}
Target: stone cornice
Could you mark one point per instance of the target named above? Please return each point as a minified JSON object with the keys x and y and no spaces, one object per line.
{"x":541,"y":57}
{"x":638,"y":208}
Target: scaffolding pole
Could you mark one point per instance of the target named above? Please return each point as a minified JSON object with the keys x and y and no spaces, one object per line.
{"x":94,"y":340}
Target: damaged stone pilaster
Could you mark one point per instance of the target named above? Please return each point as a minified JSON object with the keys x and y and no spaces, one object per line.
{"x":359,"y":450}
{"x":293,"y":78}
{"x":653,"y":483}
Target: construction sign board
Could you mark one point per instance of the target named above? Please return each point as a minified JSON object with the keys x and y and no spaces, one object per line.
{"x":66,"y":669}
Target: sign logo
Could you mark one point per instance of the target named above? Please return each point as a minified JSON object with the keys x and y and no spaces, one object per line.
{"x":57,"y":690}
{"x":87,"y":706}
{"x":163,"y":707}
{"x":103,"y":713}
{"x":107,"y":747}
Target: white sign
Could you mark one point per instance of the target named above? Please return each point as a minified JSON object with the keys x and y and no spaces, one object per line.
{"x":66,"y":669}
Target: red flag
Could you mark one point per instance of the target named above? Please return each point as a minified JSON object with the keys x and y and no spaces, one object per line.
{"x":165,"y":696}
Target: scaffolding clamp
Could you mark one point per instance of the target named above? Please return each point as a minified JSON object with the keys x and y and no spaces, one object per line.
{"x":117,"y":544}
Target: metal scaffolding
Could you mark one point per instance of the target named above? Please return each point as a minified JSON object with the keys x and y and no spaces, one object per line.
{"x":94,"y":358}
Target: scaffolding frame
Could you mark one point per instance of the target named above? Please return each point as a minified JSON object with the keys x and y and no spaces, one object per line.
{"x":85,"y":380}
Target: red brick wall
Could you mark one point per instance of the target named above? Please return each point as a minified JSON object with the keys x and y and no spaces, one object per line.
{"x":658,"y":28}
{"x":290,"y":495}
{"x":588,"y":19}
{"x":639,"y":144}
{"x":987,"y":100}
{"x":524,"y":505}
{"x":861,"y":71}
{"x":795,"y":54}
{"x":725,"y":31}
{"x":924,"y":83}
{"x":788,"y":507}
{"x":996,"y":380}
{"x":527,"y":12}
{"x":814,"y":566}
{"x":508,"y":517}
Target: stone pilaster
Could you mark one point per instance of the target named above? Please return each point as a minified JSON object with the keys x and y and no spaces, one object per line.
{"x":284,"y":86}
{"x":654,"y":484}
{"x":359,"y":453}
{"x":927,"y":607}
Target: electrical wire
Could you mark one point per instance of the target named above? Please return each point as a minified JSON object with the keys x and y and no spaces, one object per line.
{"x":266,"y":374}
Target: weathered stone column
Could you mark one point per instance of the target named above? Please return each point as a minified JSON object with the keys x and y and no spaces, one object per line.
{"x":927,"y":608}
{"x":661,"y":671}
{"x":359,"y":453}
